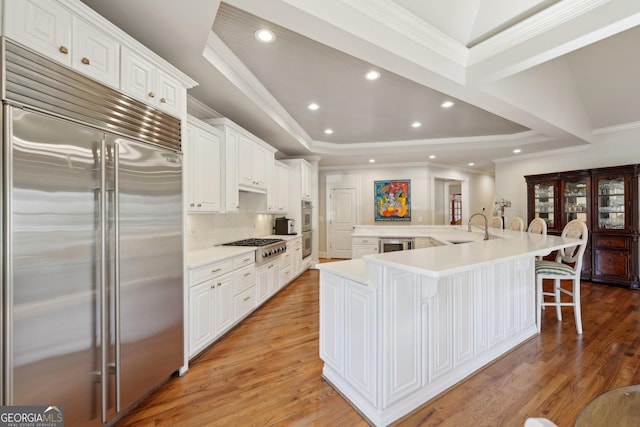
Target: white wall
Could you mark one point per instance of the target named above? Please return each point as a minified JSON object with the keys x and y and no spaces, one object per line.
{"x":610,"y":149}
{"x":480,"y":189}
{"x":204,"y":230}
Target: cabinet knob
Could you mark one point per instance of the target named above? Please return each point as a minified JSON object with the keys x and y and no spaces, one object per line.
{"x":212,"y":286}
{"x":199,"y":205}
{"x":219,"y":284}
{"x":85,"y":61}
{"x":63,"y":49}
{"x":152,"y":95}
{"x":193,"y":204}
{"x":163,"y":100}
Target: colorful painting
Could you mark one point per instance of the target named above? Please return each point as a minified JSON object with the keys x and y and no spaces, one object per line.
{"x":393,"y":200}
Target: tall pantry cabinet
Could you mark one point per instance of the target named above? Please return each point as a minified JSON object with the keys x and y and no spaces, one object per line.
{"x":607,"y":200}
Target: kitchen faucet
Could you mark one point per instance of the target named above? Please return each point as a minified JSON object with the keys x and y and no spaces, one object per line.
{"x":486,"y":224}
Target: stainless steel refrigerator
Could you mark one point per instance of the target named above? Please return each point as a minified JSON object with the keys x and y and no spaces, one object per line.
{"x":92,"y":273}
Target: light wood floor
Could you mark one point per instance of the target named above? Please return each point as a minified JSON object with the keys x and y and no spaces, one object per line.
{"x":266,"y":372}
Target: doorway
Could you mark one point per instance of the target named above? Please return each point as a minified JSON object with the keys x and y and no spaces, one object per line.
{"x":449,"y":205}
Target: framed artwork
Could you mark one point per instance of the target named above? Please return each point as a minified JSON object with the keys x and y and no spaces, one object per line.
{"x":392,"y":200}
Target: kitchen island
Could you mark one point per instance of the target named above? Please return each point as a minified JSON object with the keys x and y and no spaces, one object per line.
{"x":399,"y":328}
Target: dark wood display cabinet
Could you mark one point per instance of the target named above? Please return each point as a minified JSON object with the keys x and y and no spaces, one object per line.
{"x":607,"y":200}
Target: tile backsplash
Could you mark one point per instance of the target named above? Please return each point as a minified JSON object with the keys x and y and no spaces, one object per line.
{"x":204,"y":230}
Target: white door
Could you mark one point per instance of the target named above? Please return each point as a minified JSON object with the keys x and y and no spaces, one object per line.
{"x":343,"y":218}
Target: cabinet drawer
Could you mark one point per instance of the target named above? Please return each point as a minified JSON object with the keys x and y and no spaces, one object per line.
{"x":614,"y":242}
{"x":285,"y":275}
{"x":364,"y":241}
{"x":245,"y":278}
{"x":209,"y":271}
{"x":242,"y":260}
{"x":244,"y":303}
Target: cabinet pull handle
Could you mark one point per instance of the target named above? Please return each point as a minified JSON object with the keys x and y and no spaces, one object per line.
{"x":193,"y":204}
{"x":163,"y":100}
{"x":63,"y":49}
{"x":212,"y":286}
{"x":152,"y":95}
{"x":246,"y":259}
{"x":247,"y":274}
{"x":216,"y":270}
{"x":85,"y":61}
{"x":246,"y":299}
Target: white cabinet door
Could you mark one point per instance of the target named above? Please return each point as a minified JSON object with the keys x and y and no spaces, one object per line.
{"x":245,"y":162}
{"x":231,"y":150}
{"x":358,"y":251}
{"x":262,"y":163}
{"x":332,"y":320}
{"x":202,"y":169}
{"x":305,"y":171}
{"x":224,"y":303}
{"x":138,"y":76}
{"x":142,"y":79}
{"x":278,"y":193}
{"x":201,"y":316}
{"x":41,"y":25}
{"x":268,"y":280}
{"x":170,"y":94}
{"x":95,"y":54}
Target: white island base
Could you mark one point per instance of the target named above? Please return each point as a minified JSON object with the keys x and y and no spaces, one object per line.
{"x":398,"y":329}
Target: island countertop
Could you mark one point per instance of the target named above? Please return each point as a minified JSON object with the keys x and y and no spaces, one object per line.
{"x":444,"y":260}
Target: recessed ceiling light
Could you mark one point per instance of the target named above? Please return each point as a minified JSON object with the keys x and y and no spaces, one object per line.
{"x":416,"y":124}
{"x":372,"y":75}
{"x":372,"y":160}
{"x":328,"y":131}
{"x":313,"y":106}
{"x":433,"y":156}
{"x":470,"y":164}
{"x":265,"y":36}
{"x":517,"y":150}
{"x":447,"y":104}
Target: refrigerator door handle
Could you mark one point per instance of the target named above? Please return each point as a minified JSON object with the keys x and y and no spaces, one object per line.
{"x":116,"y":210}
{"x":104,"y":326}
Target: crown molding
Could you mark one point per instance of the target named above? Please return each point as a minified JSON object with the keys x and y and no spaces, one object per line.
{"x":410,"y":26}
{"x":617,"y":128}
{"x":531,"y":27}
{"x":489,"y":141}
{"x":221,"y":57}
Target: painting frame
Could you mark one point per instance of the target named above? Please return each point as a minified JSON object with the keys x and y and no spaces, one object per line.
{"x":392,"y":200}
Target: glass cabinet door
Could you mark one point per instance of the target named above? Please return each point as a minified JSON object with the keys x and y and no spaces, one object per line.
{"x":575,"y":199}
{"x":544,"y":203}
{"x":611,"y":203}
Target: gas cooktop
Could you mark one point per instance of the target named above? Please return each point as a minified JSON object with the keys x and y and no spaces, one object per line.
{"x":254,"y":242}
{"x":266,"y":248}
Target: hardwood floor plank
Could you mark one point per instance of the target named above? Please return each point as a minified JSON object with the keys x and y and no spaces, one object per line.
{"x":267,"y":371}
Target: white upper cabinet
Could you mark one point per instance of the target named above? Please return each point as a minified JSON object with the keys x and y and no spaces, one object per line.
{"x":71,"y":33}
{"x":143,"y":80}
{"x":42,"y":25}
{"x":255,"y":163}
{"x":202,"y":152}
{"x":248,"y":162}
{"x":95,"y":54}
{"x":278,"y":193}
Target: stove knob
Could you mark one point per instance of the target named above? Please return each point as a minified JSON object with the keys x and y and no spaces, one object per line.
{"x":264,"y":254}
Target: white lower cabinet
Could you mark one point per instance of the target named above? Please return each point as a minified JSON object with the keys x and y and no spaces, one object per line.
{"x":268,"y":280}
{"x":220,"y":294}
{"x":363,"y":246}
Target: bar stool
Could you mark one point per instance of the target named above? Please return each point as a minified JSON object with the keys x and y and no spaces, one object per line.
{"x":516,"y":224}
{"x":537,"y":226}
{"x":567,"y":266}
